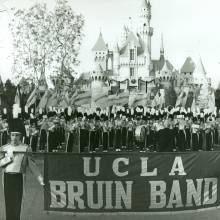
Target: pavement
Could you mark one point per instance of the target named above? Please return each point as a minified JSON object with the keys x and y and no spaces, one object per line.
{"x":33,"y":207}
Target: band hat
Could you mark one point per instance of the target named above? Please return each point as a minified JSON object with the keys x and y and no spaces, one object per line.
{"x":16,"y":125}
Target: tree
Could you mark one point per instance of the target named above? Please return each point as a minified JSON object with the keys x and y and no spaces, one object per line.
{"x":8,"y":95}
{"x":45,"y":41}
{"x":67,"y":37}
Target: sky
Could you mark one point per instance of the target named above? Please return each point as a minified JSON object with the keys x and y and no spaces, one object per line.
{"x":189,"y":28}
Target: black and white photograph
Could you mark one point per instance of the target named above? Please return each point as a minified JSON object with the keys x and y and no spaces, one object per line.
{"x":109,"y":109}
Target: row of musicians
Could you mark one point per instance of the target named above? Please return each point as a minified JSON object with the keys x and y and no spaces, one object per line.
{"x":79,"y":138}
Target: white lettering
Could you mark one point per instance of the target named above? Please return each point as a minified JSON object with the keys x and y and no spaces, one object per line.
{"x":177,"y":167}
{"x":158,"y":189}
{"x":115,"y":166}
{"x":87,"y":165}
{"x":144,"y":166}
{"x":58,"y":195}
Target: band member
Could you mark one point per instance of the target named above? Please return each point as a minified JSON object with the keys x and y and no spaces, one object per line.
{"x":83,"y":132}
{"x":71,"y":136}
{"x":165,"y":136}
{"x":98,"y":133}
{"x":175,"y":132}
{"x":111,"y":129}
{"x":118,"y":133}
{"x":188,"y":133}
{"x":130,"y":134}
{"x":52,"y":135}
{"x":140,"y":134}
{"x":62,"y":130}
{"x":124,"y":132}
{"x":156,"y":132}
{"x":202,"y":142}
{"x":216,"y":132}
{"x":161,"y":135}
{"x":105,"y":134}
{"x":4,"y":132}
{"x":43,"y":133}
{"x":151,"y":137}
{"x":181,"y":133}
{"x":195,"y":134}
{"x":33,"y":136}
{"x":171,"y":126}
{"x":15,"y":158}
{"x":92,"y":134}
{"x":208,"y":134}
{"x":27,"y":130}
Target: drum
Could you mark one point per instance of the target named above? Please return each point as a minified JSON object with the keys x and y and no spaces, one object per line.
{"x":140,"y":133}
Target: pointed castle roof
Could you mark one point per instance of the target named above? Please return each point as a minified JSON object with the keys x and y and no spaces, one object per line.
{"x":188,"y":66}
{"x":200,"y":69}
{"x":166,"y":67}
{"x":132,"y":38}
{"x":100,"y":44}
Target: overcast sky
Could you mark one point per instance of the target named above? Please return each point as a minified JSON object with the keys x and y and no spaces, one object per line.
{"x":190,"y":28}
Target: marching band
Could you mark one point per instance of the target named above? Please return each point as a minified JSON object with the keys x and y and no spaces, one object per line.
{"x":140,"y":129}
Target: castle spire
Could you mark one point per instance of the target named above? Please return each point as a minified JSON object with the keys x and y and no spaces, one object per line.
{"x":162,"y":47}
{"x":100,"y":44}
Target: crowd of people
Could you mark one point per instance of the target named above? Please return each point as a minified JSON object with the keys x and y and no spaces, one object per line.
{"x":119,"y":129}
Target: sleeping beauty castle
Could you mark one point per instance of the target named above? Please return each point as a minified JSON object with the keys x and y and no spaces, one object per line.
{"x":129,"y":67}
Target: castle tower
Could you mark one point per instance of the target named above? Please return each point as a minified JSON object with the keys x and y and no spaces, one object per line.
{"x":116,"y":60}
{"x":100,"y":51}
{"x":98,"y":84}
{"x":146,"y":31}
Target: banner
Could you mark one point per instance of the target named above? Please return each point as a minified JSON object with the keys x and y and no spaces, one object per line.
{"x":132,"y":182}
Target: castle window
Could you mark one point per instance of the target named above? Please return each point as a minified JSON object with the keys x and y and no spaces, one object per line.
{"x":131,"y":71}
{"x":131,"y":54}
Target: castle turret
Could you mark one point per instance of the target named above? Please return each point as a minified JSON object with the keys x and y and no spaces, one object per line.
{"x":100,"y":53}
{"x":161,"y":48}
{"x":146,"y":31}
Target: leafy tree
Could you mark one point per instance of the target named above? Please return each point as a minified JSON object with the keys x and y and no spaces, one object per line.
{"x":67,"y":37}
{"x":45,"y":42}
{"x":8,"y":95}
